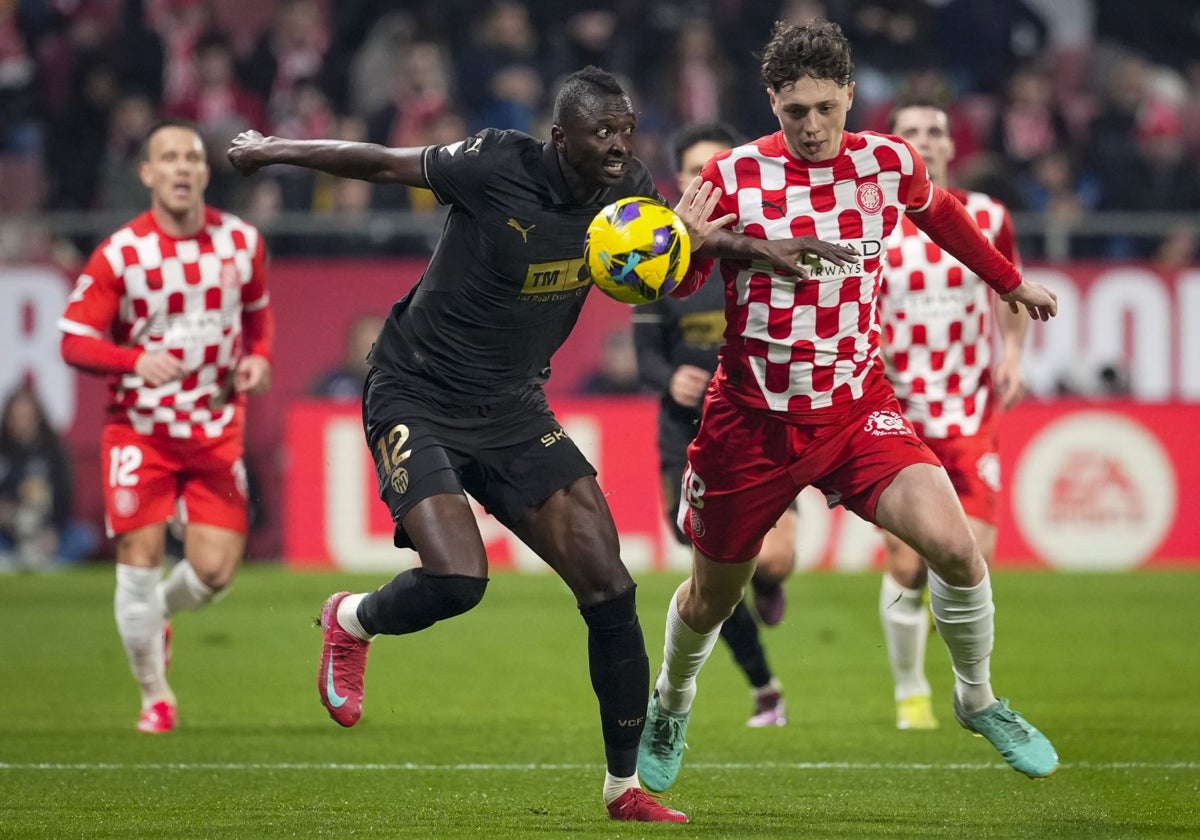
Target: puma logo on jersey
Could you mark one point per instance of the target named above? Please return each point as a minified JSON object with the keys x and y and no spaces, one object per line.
{"x":473,"y":145}
{"x":778,"y":207}
{"x":524,"y":231}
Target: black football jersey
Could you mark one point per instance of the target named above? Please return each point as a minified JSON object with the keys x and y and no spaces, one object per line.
{"x":507,"y":279}
{"x":679,"y":331}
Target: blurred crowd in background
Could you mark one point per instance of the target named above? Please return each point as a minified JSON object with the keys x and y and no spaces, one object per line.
{"x":1060,"y":107}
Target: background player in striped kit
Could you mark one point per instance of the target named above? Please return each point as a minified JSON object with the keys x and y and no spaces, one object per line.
{"x":800,"y":398}
{"x":939,"y":323}
{"x":677,"y":341}
{"x":173,"y":309}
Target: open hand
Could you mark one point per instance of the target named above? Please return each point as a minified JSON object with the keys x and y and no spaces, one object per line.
{"x":1039,"y":302}
{"x":698,"y":202}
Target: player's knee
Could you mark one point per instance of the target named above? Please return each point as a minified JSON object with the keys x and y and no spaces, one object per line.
{"x":455,"y":594}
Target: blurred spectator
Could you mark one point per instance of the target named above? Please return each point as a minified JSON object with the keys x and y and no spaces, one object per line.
{"x":290,"y":51}
{"x":18,"y":131}
{"x":501,"y":58}
{"x":1053,"y":187}
{"x":221,"y":106}
{"x":180,"y":24}
{"x":983,"y":43}
{"x":76,"y":139}
{"x":120,"y":187}
{"x":374,"y":64}
{"x":420,"y":97}
{"x":345,"y":382}
{"x":1029,"y":124}
{"x":701,"y":81}
{"x":1161,"y":177}
{"x":618,"y":369}
{"x":420,"y":93}
{"x":36,"y":528}
{"x":1122,"y":87}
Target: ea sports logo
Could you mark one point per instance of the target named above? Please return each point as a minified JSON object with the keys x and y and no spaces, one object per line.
{"x":1094,"y":491}
{"x":869,"y":197}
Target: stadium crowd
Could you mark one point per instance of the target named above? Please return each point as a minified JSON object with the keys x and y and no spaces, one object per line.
{"x":1059,"y":106}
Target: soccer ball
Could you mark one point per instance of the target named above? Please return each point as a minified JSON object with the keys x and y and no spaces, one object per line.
{"x":637,"y":250}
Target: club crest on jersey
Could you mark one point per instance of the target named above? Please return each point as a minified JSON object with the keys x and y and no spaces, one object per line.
{"x":125,"y":502}
{"x":697,"y":523}
{"x":399,"y":480}
{"x":869,"y":197}
{"x":882,"y":423}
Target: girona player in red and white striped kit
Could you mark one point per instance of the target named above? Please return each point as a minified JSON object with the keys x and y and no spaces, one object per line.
{"x":939,"y":323}
{"x":800,"y":397}
{"x":173,"y":309}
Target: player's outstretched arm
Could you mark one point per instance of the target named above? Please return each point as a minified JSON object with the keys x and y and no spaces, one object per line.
{"x":251,"y":151}
{"x":710,"y":239}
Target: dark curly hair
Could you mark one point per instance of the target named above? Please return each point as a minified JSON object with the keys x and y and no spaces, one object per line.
{"x":817,"y":48}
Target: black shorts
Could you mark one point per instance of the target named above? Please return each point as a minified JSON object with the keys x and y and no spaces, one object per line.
{"x":510,"y":455}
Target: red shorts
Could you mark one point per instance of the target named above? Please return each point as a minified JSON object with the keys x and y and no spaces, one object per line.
{"x":746,"y":466}
{"x":144,"y":477}
{"x":973,"y":464}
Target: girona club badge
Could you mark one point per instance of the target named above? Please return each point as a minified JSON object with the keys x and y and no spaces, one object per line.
{"x":869,"y":197}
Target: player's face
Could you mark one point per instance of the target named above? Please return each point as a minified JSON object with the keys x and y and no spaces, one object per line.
{"x":928,"y":130}
{"x":597,"y":143}
{"x":812,"y":113}
{"x":175,"y":170}
{"x":693,"y":159}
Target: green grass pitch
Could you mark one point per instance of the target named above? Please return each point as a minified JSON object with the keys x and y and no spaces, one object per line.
{"x":486,"y":727}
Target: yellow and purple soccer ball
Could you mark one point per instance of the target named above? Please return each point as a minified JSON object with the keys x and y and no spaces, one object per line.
{"x":637,"y":250}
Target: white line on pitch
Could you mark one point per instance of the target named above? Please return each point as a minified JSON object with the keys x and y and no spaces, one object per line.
{"x":412,"y":766}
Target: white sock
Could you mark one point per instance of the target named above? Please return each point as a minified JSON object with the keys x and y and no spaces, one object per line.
{"x":965,"y":619}
{"x":347,"y":616}
{"x":684,"y":653}
{"x":139,"y":614}
{"x":905,"y":629}
{"x":614,"y":786}
{"x":183,"y":590}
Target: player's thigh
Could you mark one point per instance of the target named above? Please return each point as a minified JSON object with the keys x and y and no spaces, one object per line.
{"x":214,"y":552}
{"x":973,"y":464}
{"x":214,"y":490}
{"x":139,"y":475}
{"x":905,"y":565}
{"x":777,"y":557}
{"x":985,"y":537}
{"x":573,"y":531}
{"x":443,"y":530}
{"x":920,"y":507}
{"x":738,"y":482}
{"x":143,"y":546}
{"x":418,"y":459}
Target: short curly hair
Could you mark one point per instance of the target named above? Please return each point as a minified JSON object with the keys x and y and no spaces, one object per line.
{"x":817,"y":49}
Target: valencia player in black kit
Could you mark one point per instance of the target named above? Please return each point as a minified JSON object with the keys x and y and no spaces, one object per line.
{"x":454,"y":400}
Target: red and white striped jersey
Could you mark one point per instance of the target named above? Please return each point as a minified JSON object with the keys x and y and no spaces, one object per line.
{"x":144,"y":288}
{"x":808,"y":346}
{"x":938,"y":324}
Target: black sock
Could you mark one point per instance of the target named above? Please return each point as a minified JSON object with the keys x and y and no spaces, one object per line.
{"x":740,"y":632}
{"x":414,"y":600}
{"x":620,"y":673}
